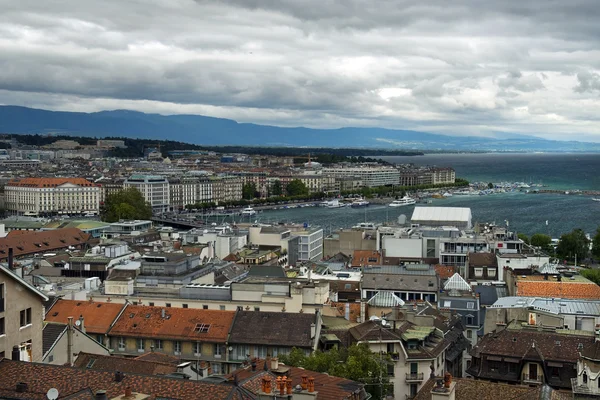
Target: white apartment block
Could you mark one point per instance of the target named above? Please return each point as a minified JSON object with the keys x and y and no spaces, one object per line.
{"x":443,"y":175}
{"x":34,"y":196}
{"x":310,"y":245}
{"x":154,"y":188}
{"x":371,"y":176}
{"x":187,"y":191}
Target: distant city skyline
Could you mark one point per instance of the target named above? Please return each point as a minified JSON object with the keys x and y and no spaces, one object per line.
{"x":469,"y":68}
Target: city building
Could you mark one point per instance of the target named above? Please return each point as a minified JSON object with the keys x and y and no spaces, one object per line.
{"x":63,"y":342}
{"x":586,"y":384}
{"x":154,"y":188}
{"x":30,"y":243}
{"x":442,"y":216}
{"x":35,"y":196}
{"x":226,"y":188}
{"x":21,"y":318}
{"x":560,"y":285}
{"x":370,"y":176}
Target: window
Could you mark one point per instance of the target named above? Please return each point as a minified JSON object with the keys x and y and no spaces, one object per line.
{"x":2,"y":331}
{"x":491,"y":272}
{"x":158,"y":344}
{"x":151,"y":304}
{"x":140,"y":345}
{"x":479,"y":272}
{"x":184,"y":305}
{"x":470,"y":305}
{"x":512,"y":368}
{"x":430,"y":248}
{"x":25,"y":317}
{"x":585,"y":377}
{"x":469,"y":320}
{"x":1,"y":297}
{"x":168,"y":305}
{"x":469,"y":334}
{"x":240,"y":308}
{"x":447,"y":303}
{"x":202,"y":328}
{"x":347,"y":286}
{"x":177,"y":347}
{"x":205,"y":307}
{"x":51,"y":358}
{"x":100,"y":339}
{"x":121,"y":343}
{"x":493,"y":366}
{"x":197,"y":348}
{"x":222,"y":307}
{"x":256,"y":308}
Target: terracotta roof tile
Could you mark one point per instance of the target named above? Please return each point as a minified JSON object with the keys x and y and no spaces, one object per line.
{"x":469,"y":389}
{"x":445,"y":272}
{"x":98,"y":317}
{"x":178,"y":323}
{"x":74,"y":382}
{"x":564,"y":289}
{"x":366,"y":257}
{"x":31,"y":242}
{"x":48,"y":182}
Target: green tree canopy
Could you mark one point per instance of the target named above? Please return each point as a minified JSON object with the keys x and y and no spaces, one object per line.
{"x":542,"y":241}
{"x":126,"y":204}
{"x":596,"y":244}
{"x":277,"y":189}
{"x":356,"y":362}
{"x":523,"y":237}
{"x":591,"y":274}
{"x":573,"y":244}
{"x":296,"y":188}
{"x":249,"y":190}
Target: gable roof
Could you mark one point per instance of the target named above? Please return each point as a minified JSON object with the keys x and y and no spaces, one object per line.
{"x":31,"y":242}
{"x":9,"y":274}
{"x":328,"y":387}
{"x":468,"y":389}
{"x":272,"y":328}
{"x":98,"y":317}
{"x":178,"y":323}
{"x":75,"y":382}
{"x":50,"y":335}
{"x":366,"y":257}
{"x":482,"y":260}
{"x":456,"y":282}
{"x":126,"y":365}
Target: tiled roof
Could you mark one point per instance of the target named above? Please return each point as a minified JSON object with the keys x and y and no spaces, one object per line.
{"x":564,"y":289}
{"x":444,"y":272}
{"x":272,"y":328}
{"x":126,"y":365}
{"x":74,"y":381}
{"x":98,"y":317}
{"x":519,"y":343}
{"x":328,"y":387}
{"x":157,"y":357}
{"x":31,"y":242}
{"x":48,"y":182}
{"x":365,"y":257}
{"x":178,"y":323}
{"x":469,"y":389}
{"x":482,"y":260}
{"x":50,"y":334}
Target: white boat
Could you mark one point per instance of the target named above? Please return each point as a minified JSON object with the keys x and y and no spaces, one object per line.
{"x":359,"y":203}
{"x":405,"y":201}
{"x":335,"y":203}
{"x":596,"y":199}
{"x":447,"y":194}
{"x":366,"y":225}
{"x":248,"y":211}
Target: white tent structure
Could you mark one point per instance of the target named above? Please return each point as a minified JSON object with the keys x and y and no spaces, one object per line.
{"x":459,"y":217}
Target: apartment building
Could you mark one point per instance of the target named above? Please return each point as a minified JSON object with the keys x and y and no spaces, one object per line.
{"x":154,"y":188}
{"x":190,"y":334}
{"x":21,"y":318}
{"x":371,"y":176}
{"x":35,"y":196}
{"x":442,"y":175}
{"x":226,"y":188}
{"x":188,"y":190}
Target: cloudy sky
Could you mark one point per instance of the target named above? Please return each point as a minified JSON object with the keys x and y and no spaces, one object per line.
{"x":475,"y":67}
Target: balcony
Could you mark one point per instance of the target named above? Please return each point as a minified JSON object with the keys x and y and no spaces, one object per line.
{"x":539,"y":378}
{"x":414,"y":377}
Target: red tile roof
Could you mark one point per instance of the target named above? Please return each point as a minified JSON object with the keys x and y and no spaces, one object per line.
{"x":126,"y":365}
{"x":565,"y":289}
{"x":31,"y":242}
{"x":48,"y":182}
{"x":328,"y":387}
{"x":445,"y":272}
{"x":178,"y":323}
{"x":97,"y":317}
{"x":73,"y":381}
{"x":365,"y":257}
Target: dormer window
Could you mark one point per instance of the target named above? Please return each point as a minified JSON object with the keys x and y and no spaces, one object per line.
{"x":585,"y":378}
{"x":202,"y":328}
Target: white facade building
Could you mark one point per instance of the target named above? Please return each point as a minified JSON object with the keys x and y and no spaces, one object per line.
{"x":371,"y":176}
{"x":154,"y":188}
{"x":34,"y":196}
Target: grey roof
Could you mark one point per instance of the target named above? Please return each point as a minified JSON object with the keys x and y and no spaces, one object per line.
{"x":411,"y":269}
{"x":488,"y":295}
{"x":50,"y":335}
{"x":412,"y":283}
{"x":554,"y":306}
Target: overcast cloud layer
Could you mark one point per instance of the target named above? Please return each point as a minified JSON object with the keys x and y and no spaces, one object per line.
{"x":475,"y":67}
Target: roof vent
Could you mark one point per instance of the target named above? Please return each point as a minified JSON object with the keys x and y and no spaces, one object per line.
{"x":21,"y":387}
{"x":119,"y":376}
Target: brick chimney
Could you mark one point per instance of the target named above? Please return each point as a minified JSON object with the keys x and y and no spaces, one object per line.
{"x":444,"y":389}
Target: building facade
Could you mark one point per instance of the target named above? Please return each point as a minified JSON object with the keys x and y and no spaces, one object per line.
{"x":154,"y":188}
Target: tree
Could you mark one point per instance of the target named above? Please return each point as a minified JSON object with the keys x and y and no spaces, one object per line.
{"x":296,"y":188}
{"x":356,"y":362}
{"x":596,"y":244}
{"x":249,"y":190}
{"x":523,"y":237}
{"x":126,"y":204}
{"x":591,"y":274}
{"x":277,"y":190}
{"x":573,"y":245}
{"x":542,"y":241}
{"x":490,"y":185}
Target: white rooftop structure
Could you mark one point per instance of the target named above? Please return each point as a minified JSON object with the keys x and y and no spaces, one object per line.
{"x":456,"y":282}
{"x":442,"y":216}
{"x":385,"y":299}
{"x":554,"y":306}
{"x":549,"y":269}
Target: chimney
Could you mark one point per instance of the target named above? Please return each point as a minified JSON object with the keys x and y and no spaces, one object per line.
{"x":311,"y":385}
{"x":253,"y":364}
{"x":11,"y":258}
{"x":128,"y":392}
{"x":274,"y":364}
{"x":70,"y":341}
{"x":16,"y":354}
{"x":304,"y":383}
{"x":281,"y":385}
{"x":101,"y":395}
{"x":267,"y":385}
{"x":81,"y":323}
{"x":119,"y":376}
{"x":288,"y":385}
{"x":444,"y":389}
{"x":163,"y":313}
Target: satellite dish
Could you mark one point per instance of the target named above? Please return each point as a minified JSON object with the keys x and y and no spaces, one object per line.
{"x":77,"y":323}
{"x":52,"y":394}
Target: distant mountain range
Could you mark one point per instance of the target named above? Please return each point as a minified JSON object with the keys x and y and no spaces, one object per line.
{"x":204,"y":130}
